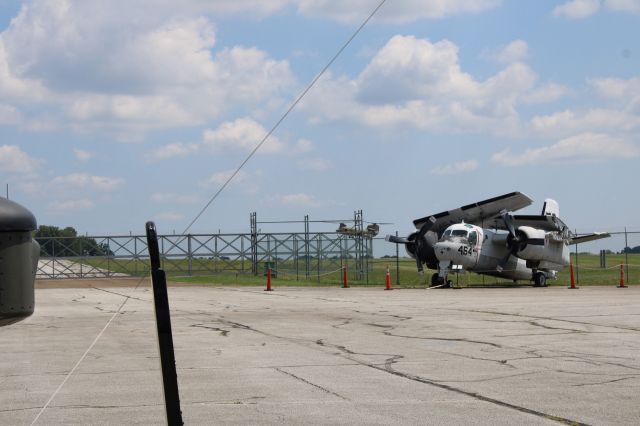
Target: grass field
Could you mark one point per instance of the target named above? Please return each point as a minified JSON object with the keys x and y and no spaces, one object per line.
{"x":206,"y":271}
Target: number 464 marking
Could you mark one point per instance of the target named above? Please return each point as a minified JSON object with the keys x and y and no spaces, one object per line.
{"x":465,"y":250}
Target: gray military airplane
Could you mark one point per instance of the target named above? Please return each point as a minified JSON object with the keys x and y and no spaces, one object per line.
{"x":534,"y":247}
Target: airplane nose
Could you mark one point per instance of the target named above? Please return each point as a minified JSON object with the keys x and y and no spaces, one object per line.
{"x":445,"y":250}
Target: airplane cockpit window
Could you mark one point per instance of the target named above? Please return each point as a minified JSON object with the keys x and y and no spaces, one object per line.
{"x":459,"y":233}
{"x":473,"y":238}
{"x":455,"y":234}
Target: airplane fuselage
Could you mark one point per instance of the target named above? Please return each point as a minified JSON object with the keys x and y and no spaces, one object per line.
{"x":479,"y":250}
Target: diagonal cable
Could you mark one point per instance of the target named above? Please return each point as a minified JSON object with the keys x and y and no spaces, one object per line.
{"x":277,"y":124}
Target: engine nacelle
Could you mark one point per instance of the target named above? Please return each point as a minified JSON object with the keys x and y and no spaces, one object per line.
{"x":427,"y":255}
{"x":538,"y":245}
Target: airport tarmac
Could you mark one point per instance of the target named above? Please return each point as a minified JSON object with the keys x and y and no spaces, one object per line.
{"x":357,"y":356}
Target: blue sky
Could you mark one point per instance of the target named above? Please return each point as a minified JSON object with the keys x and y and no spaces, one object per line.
{"x":109,"y":119}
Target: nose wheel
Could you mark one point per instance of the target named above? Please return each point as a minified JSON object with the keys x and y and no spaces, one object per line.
{"x":437,"y":280}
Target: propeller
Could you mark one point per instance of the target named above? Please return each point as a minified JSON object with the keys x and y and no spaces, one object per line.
{"x":419,"y":241}
{"x":515,"y":241}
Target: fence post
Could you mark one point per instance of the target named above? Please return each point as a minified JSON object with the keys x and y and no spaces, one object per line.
{"x":626,"y":253}
{"x":189,"y":254}
{"x":397,"y":262}
{"x":577,"y":268}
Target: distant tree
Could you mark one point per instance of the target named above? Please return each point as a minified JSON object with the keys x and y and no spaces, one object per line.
{"x":66,"y":243}
{"x":636,"y":249}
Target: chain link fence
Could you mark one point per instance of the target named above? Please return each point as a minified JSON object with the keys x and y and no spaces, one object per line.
{"x":303,"y":256}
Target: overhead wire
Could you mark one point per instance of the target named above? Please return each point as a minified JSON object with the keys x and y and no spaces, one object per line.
{"x":283,"y":117}
{"x":213,"y":198}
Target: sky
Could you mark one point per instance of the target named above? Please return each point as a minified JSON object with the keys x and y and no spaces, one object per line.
{"x":115,"y":113}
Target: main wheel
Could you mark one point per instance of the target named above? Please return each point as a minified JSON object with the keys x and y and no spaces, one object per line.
{"x":540,"y":280}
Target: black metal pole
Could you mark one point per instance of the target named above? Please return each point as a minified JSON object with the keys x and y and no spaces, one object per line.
{"x":397,"y":262}
{"x":626,"y":255}
{"x":165,"y":337}
{"x":577,"y":268}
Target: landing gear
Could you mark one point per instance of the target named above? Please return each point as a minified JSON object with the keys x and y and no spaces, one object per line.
{"x":539,"y":279}
{"x":437,"y":280}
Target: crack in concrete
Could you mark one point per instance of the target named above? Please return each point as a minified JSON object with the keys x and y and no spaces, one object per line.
{"x":310,"y":383}
{"x":504,"y":362}
{"x":222,"y":331}
{"x":605,"y":382}
{"x":388,"y":368}
{"x":446,"y":339}
{"x":252,"y":400}
{"x":345,"y":322}
{"x":536,"y":317}
{"x":488,"y":379}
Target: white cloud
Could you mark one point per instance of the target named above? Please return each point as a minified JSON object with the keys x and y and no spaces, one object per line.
{"x":169,"y":216}
{"x":219,"y":178}
{"x":430,"y":91}
{"x":397,"y":11}
{"x":172,"y":150}
{"x":577,"y":9}
{"x":242,"y":134}
{"x":303,"y":145}
{"x":153,"y":67}
{"x":516,"y":51}
{"x":173,"y":198}
{"x":83,"y":155}
{"x":545,"y":94}
{"x":70,"y":205}
{"x":315,"y":164}
{"x":15,"y":160}
{"x":86,"y":181}
{"x":11,"y":85}
{"x":455,"y":168}
{"x":632,"y":6}
{"x":9,"y":115}
{"x":626,"y":91}
{"x":582,"y":147}
{"x":567,"y":122}
{"x":300,"y":199}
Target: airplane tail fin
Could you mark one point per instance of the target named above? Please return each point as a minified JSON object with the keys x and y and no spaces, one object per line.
{"x":551,"y":208}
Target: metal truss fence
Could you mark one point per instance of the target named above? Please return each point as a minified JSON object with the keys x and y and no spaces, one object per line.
{"x":303,"y":255}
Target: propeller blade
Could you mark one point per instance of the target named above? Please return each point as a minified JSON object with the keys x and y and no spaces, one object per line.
{"x":419,"y":265}
{"x":419,"y":241}
{"x":397,"y":240}
{"x":508,"y":222}
{"x":425,"y":227}
{"x":513,"y":251}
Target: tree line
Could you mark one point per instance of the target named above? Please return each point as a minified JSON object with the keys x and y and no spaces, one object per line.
{"x":65,"y":242}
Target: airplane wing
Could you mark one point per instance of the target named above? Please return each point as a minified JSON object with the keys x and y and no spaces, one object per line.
{"x":479,"y":213}
{"x":544,"y":222}
{"x":589,"y":237}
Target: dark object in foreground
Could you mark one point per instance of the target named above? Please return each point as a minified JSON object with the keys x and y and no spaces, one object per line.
{"x":19,"y":255}
{"x":165,"y":337}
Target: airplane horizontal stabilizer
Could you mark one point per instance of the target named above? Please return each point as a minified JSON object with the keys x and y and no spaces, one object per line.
{"x":589,"y":237}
